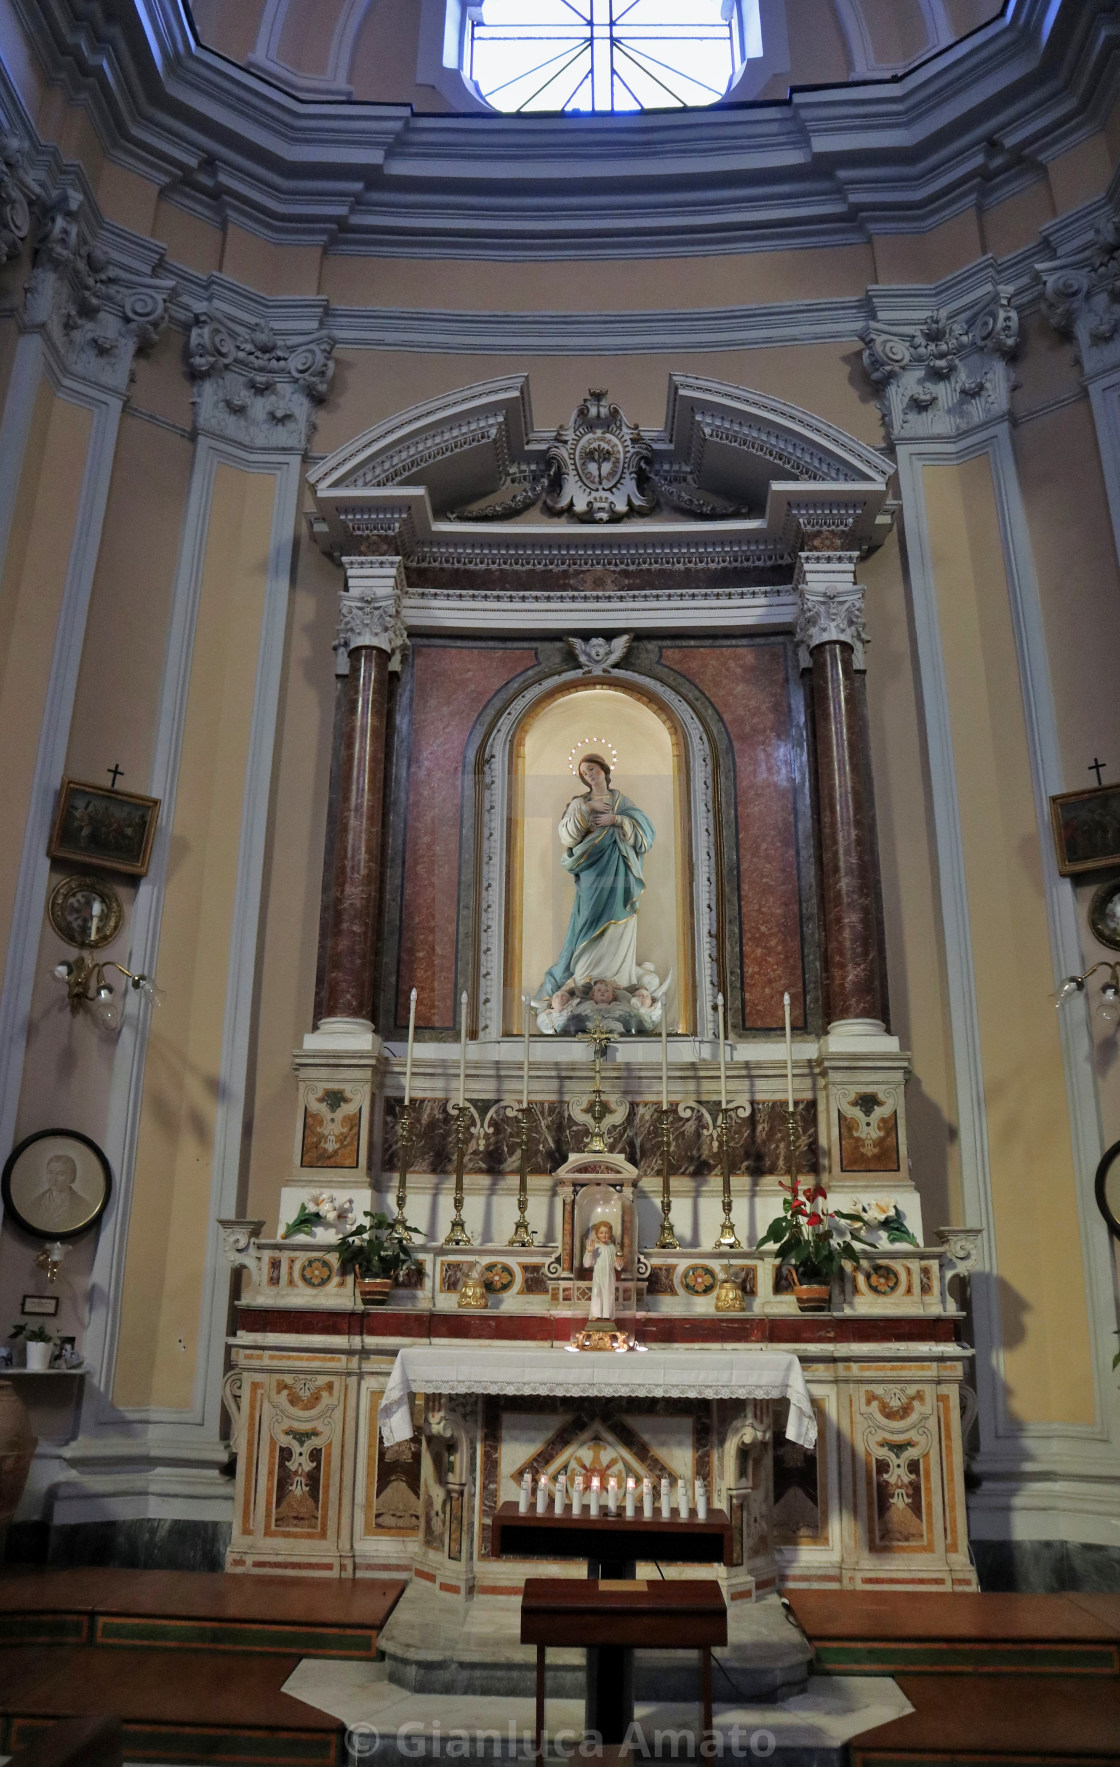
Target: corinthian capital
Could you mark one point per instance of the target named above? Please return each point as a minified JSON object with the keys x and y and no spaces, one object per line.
{"x":254,"y":387}
{"x":1081,"y":296}
{"x":940,"y":371}
{"x":829,"y":605}
{"x":96,"y":303}
{"x":370,"y":614}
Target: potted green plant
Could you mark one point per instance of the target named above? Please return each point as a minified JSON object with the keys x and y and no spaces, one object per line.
{"x":377,"y":1256}
{"x":814,"y":1243}
{"x":38,"y":1345}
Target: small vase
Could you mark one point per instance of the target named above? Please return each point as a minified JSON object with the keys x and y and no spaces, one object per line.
{"x":38,"y":1357}
{"x":374,"y":1291}
{"x":813,"y":1297}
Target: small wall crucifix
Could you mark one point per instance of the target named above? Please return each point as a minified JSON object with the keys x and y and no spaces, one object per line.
{"x":113,"y":772}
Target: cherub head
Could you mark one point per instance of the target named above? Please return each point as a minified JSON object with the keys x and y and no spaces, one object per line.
{"x":565,"y":997}
{"x":643,"y":998}
{"x":602,"y":993}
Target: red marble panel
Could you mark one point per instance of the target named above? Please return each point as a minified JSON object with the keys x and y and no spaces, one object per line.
{"x":749,"y":688}
{"x":451,"y":685}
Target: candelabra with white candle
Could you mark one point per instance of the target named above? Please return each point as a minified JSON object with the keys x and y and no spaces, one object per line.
{"x":457,"y":1233}
{"x":791,"y":1113}
{"x":667,"y":1239}
{"x":522,"y":1234}
{"x":727,"y":1238}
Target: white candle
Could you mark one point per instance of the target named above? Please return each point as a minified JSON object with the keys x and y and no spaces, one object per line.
{"x":408,"y":1054}
{"x":666,"y":1501}
{"x":631,"y":1492}
{"x":593,"y":1498}
{"x":612,"y":1496}
{"x":722,"y":1054}
{"x":559,"y":1504}
{"x":463,"y":1051}
{"x":577,"y":1494}
{"x":789,"y":1054}
{"x":664,"y":1060}
{"x":542,"y":1494}
{"x":701,"y":1501}
{"x":647,"y":1499}
{"x":682,"y":1498}
{"x":525,"y":1494}
{"x":525,"y":1061}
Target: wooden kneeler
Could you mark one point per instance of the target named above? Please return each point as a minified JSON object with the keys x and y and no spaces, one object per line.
{"x":612,"y":1616}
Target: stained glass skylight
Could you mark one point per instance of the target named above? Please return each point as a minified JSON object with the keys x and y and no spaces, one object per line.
{"x":606,"y":55}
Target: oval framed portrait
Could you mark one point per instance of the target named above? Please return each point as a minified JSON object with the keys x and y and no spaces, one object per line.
{"x":56,"y":1184}
{"x":1104,"y":914}
{"x":1107,"y":1188}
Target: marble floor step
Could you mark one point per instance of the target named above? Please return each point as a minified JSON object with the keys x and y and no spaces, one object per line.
{"x":855,"y":1632}
{"x":997,"y":1721}
{"x":199,"y":1610}
{"x":183,"y":1707}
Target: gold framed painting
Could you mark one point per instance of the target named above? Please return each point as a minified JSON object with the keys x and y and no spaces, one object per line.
{"x":110,"y":830}
{"x":56,"y":1184}
{"x":1086,"y":828}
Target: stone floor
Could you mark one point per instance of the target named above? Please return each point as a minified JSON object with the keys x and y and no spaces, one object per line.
{"x":388,"y":1724}
{"x":435,"y":1646}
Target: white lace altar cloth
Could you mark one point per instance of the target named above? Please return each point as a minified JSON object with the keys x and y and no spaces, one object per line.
{"x":658,"y":1374}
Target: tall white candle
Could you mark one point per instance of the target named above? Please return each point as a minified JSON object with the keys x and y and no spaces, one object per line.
{"x":524,"y":1493}
{"x":664,"y":1060}
{"x":577,"y":1494}
{"x":525,"y":1060}
{"x":408,"y":1053}
{"x":701,"y":1501}
{"x":647,"y":1499}
{"x":542,"y":1494}
{"x":722,"y":1054}
{"x":612,"y":1496}
{"x":463,"y":1051}
{"x":559,"y":1504}
{"x":682,"y":1498}
{"x":631,"y":1492}
{"x":666,"y":1501}
{"x":593,"y":1497}
{"x":789,"y":1053}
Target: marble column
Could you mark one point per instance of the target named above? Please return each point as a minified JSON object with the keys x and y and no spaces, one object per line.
{"x":371,"y":635}
{"x":830,"y":633}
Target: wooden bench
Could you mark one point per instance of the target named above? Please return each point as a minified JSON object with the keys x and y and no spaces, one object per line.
{"x":609,"y":1617}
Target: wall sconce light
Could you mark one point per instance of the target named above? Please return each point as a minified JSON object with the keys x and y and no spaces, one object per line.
{"x":50,"y":1259}
{"x":1108,"y":1007}
{"x":88,"y":912}
{"x":87,"y":985}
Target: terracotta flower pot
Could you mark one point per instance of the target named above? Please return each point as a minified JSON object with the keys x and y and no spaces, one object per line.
{"x":813,"y":1297}
{"x":374,"y":1291}
{"x":17,"y":1446}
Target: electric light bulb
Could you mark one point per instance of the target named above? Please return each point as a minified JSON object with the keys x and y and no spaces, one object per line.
{"x":1071,"y":986}
{"x":62,"y":971}
{"x":1109,"y":1007}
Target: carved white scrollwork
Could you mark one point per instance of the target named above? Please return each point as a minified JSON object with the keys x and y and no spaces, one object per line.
{"x":599,"y":465}
{"x":946,"y":373}
{"x":239,"y":1245}
{"x":16,"y":195}
{"x":829,"y":605}
{"x":1081,"y":296}
{"x":252,"y":386}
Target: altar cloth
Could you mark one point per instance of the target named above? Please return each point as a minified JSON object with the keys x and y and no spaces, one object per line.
{"x":658,"y":1374}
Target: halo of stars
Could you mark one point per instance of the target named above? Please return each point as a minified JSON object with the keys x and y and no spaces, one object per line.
{"x":585,"y":745}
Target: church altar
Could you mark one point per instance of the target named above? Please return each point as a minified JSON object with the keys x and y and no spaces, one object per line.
{"x":711,"y":1374}
{"x":611,"y":900}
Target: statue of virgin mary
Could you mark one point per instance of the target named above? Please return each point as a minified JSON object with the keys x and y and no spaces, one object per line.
{"x":605,"y":838}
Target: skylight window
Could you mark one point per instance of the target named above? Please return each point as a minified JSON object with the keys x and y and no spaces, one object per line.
{"x":607,"y":55}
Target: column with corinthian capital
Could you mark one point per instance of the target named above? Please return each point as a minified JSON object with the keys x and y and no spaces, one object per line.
{"x":371,"y":636}
{"x":830,"y":634}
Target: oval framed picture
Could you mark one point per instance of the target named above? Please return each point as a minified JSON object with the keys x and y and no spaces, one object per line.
{"x":56,"y":1184}
{"x":1107,"y":1188}
{"x":1104,"y":914}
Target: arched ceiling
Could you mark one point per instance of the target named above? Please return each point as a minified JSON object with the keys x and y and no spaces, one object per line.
{"x":376,"y":50}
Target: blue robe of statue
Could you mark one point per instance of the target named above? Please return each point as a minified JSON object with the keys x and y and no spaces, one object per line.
{"x":607,"y":867}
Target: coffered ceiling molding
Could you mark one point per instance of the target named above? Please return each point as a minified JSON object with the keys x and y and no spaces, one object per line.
{"x":831,"y":164}
{"x":734,"y":480}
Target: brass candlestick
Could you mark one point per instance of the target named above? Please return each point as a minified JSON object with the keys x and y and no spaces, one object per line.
{"x":457,"y":1233}
{"x":600,"y":1039}
{"x":667,"y":1240}
{"x":400,"y":1227}
{"x":727,"y":1238}
{"x":522,"y":1233}
{"x":791,"y":1145}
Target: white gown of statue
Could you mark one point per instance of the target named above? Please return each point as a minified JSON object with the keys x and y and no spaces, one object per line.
{"x":602,"y":1281}
{"x":613,"y":955}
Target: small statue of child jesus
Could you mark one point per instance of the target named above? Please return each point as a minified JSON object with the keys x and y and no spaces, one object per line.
{"x":601,"y":1253}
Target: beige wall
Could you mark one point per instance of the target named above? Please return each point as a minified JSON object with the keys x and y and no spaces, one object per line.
{"x":1045,"y":1327}
{"x":170,"y":1223}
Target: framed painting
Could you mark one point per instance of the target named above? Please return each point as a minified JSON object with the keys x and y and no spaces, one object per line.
{"x":110,"y":830}
{"x":1086,"y":828}
{"x":55,"y":1184}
